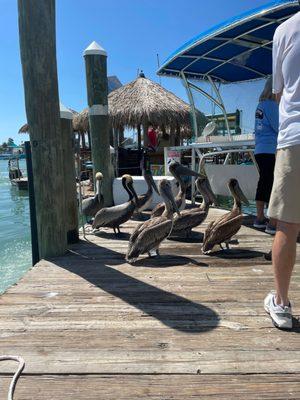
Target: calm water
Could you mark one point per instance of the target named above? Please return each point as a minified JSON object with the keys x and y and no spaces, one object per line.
{"x":15,"y":247}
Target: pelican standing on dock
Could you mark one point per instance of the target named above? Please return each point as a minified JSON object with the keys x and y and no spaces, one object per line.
{"x":177,"y":170}
{"x":222,"y":230}
{"x":189,"y":219}
{"x":145,"y":200}
{"x":113,"y":217}
{"x":91,"y":205}
{"x":148,"y":236}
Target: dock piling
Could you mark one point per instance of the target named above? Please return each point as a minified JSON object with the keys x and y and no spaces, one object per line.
{"x":97,"y":92}
{"x":71,"y":208}
{"x":38,"y":56}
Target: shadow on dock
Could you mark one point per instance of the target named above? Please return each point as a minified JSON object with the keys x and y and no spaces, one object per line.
{"x":91,"y":261}
{"x":238,"y":254}
{"x":167,"y":261}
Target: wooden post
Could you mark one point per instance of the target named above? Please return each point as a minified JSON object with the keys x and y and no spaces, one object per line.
{"x":96,"y":79}
{"x":145,"y":135}
{"x":116,"y":149}
{"x":139,"y":137}
{"x":38,"y":56}
{"x":33,"y":225}
{"x":71,"y":215}
{"x":121,"y":137}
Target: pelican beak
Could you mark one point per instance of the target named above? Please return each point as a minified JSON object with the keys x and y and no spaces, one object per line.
{"x":170,"y":196}
{"x":153,"y":184}
{"x":184,"y":171}
{"x":210,"y":193}
{"x":241,"y":195}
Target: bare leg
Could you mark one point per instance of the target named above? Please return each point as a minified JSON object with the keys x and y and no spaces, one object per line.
{"x":273,"y":222}
{"x":283,"y":257}
{"x":260,"y":209}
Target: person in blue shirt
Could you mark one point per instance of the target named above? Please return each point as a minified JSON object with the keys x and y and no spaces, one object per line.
{"x":266,"y":132}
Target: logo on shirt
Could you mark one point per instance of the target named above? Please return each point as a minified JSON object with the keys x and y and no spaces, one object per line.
{"x":259,"y":114}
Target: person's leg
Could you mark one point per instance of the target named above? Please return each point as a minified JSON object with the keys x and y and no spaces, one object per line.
{"x":260,"y":192}
{"x":269,"y":179}
{"x":273,"y":222}
{"x":260,"y":210}
{"x":284,"y":206}
{"x":283,"y":257}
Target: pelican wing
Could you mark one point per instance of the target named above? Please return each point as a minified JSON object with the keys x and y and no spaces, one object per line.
{"x":145,"y":225}
{"x":144,"y":201}
{"x":218,"y":232}
{"x":91,"y":205}
{"x":158,"y":210}
{"x":189,"y":219}
{"x":150,"y":238}
{"x":160,"y":207}
{"x":112,"y":215}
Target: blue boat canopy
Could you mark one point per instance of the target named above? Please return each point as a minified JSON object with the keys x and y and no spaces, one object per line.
{"x":235,"y":51}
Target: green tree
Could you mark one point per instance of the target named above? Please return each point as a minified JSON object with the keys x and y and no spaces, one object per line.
{"x":10,"y":142}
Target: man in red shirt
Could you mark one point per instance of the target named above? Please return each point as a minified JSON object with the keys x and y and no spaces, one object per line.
{"x":152,"y":138}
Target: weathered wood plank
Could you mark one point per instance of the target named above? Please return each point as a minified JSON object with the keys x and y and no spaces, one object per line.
{"x":175,"y":387}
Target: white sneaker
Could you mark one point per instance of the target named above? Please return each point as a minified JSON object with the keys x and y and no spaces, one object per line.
{"x":281,"y":316}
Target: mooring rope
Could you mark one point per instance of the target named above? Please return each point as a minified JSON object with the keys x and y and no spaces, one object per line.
{"x":16,"y":376}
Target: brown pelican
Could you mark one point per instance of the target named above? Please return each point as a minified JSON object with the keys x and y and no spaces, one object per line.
{"x":177,"y":170}
{"x":189,"y":219}
{"x":91,"y":205}
{"x":113,"y":217}
{"x":222,"y":230}
{"x":144,"y":200}
{"x":148,"y":236}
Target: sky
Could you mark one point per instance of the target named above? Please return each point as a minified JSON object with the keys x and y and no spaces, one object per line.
{"x":132,"y":32}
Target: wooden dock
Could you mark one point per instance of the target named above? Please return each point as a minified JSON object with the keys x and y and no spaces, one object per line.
{"x":187,"y":326}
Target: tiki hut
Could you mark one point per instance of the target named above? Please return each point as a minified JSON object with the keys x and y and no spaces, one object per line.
{"x":141,"y":102}
{"x":113,"y":84}
{"x":25,"y":128}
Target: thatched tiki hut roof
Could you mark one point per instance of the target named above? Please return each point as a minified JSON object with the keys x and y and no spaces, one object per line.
{"x":25,"y":128}
{"x":113,"y":84}
{"x":140,"y":102}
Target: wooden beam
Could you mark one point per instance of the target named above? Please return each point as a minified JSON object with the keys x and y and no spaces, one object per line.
{"x":69,"y":175}
{"x":97,"y":91}
{"x":139,"y":137}
{"x":145,"y":135}
{"x":38,"y":56}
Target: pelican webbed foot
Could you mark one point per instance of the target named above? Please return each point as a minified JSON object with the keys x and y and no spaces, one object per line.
{"x":153,"y":253}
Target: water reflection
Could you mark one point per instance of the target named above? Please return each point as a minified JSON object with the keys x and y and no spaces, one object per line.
{"x":20,"y":203}
{"x":15,"y":255}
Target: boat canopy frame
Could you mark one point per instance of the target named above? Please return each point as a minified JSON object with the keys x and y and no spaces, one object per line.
{"x":238,"y":50}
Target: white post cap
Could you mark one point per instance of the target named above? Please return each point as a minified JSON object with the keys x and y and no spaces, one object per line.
{"x":65,"y":113}
{"x":94,"y":48}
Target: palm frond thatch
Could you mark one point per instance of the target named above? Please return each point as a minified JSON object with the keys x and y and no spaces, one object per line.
{"x":25,"y":128}
{"x":140,"y":102}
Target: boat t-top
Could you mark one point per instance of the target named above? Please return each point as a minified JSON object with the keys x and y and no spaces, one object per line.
{"x":238,"y":50}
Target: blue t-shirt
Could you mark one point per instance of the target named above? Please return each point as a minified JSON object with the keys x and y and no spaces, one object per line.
{"x":266,"y":127}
